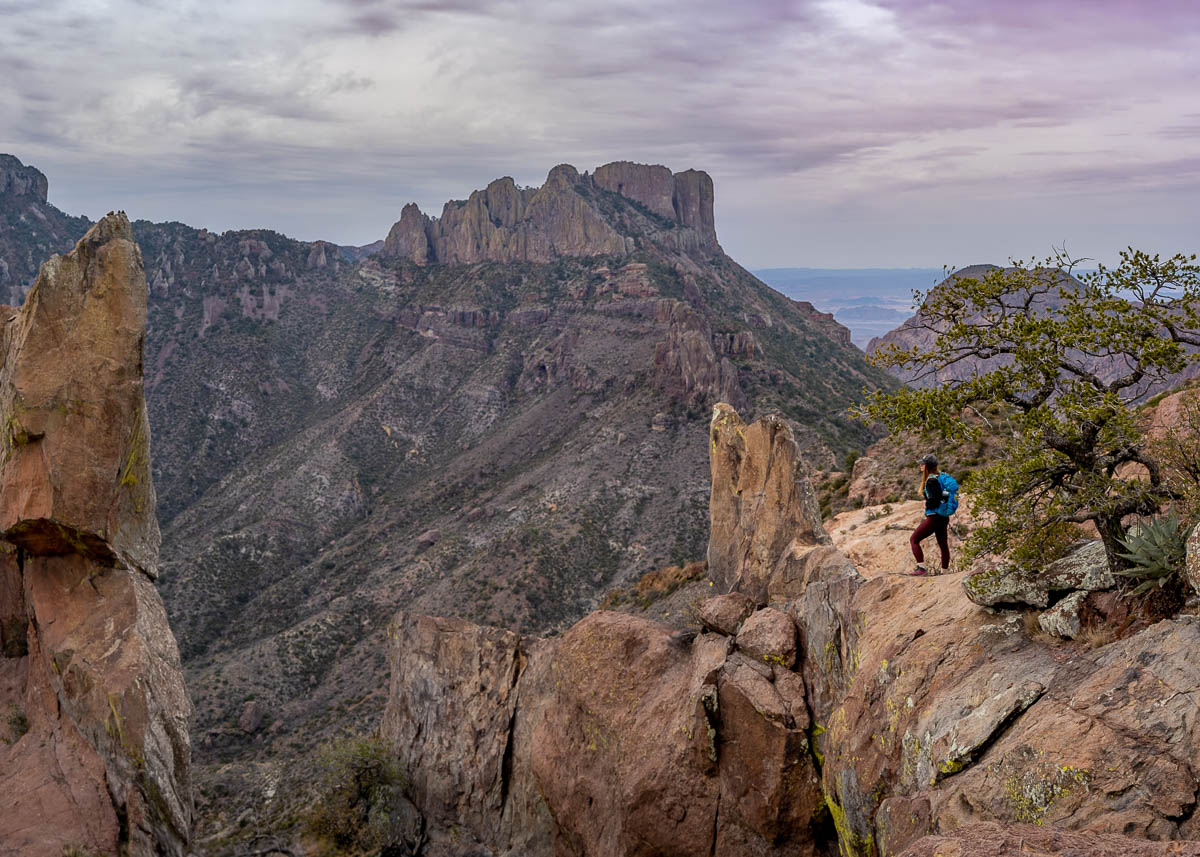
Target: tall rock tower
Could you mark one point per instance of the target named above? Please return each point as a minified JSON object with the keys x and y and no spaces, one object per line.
{"x":98,"y":757}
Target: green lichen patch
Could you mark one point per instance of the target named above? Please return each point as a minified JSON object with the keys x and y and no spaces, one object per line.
{"x":1031,"y":794}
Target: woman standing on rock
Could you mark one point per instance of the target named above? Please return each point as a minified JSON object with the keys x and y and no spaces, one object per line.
{"x":941,"y":500}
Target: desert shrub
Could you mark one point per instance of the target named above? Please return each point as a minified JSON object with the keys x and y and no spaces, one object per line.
{"x":77,"y":851}
{"x":1156,"y":550}
{"x":18,"y":724}
{"x":876,"y":514}
{"x":1043,"y":546}
{"x":360,"y":783}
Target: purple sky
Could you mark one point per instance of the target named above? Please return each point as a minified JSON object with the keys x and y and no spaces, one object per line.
{"x":841,"y":133}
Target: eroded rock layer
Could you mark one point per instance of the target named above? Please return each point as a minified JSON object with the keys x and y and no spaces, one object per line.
{"x":98,"y":756}
{"x":567,"y":216}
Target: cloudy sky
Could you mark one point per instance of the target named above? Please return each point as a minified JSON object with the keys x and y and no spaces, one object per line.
{"x":841,"y":133}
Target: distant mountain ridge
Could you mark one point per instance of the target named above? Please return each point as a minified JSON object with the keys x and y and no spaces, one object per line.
{"x":868,"y":301}
{"x":569,"y":215}
{"x":915,"y":331}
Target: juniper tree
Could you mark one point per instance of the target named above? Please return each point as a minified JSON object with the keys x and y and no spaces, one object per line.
{"x":1062,"y":360}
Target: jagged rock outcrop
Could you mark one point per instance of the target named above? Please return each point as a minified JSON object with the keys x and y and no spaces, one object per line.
{"x":766,"y":537}
{"x":569,"y":215}
{"x":652,"y":186}
{"x":912,"y":721}
{"x":617,"y":739}
{"x":688,"y":363}
{"x":685,"y":198}
{"x":18,"y":179}
{"x":89,"y":660}
{"x":409,"y":236}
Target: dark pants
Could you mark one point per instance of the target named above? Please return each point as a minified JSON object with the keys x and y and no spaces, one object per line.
{"x":935,"y":524}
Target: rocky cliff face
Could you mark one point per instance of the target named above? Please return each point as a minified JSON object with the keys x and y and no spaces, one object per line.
{"x":863,"y":714}
{"x":31,"y":229}
{"x":18,"y":180}
{"x":90,"y":671}
{"x":569,"y":215}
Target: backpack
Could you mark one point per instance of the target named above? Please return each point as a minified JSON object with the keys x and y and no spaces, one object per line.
{"x":949,"y":495}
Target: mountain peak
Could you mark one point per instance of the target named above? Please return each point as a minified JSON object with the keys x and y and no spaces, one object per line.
{"x":16,"y":179}
{"x":610,"y":212}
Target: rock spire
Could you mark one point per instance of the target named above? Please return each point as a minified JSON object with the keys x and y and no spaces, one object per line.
{"x":89,"y":663}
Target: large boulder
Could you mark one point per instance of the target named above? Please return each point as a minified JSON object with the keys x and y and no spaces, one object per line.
{"x":616,"y":755}
{"x":89,"y":662}
{"x":452,"y":714}
{"x":769,"y":636}
{"x":1083,"y":569}
{"x":725,"y":613}
{"x":619,"y":738}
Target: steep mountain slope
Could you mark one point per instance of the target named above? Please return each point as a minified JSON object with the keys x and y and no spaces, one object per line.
{"x":501,"y":440}
{"x":493,"y":417}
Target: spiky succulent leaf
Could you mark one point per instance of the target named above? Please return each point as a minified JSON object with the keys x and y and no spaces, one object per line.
{"x":1156,"y":549}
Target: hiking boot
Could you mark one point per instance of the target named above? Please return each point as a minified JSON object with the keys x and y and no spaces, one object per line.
{"x":919,"y":571}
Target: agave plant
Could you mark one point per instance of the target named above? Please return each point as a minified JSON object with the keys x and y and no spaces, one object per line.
{"x":1157,"y":549}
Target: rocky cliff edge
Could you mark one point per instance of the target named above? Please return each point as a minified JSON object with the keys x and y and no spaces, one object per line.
{"x":606,"y":213}
{"x":97,"y":753}
{"x":860,"y":715}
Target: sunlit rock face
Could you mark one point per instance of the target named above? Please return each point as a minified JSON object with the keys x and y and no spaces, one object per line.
{"x":90,"y":669}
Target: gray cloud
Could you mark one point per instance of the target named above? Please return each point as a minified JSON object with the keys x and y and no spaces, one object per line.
{"x":322,"y":117}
